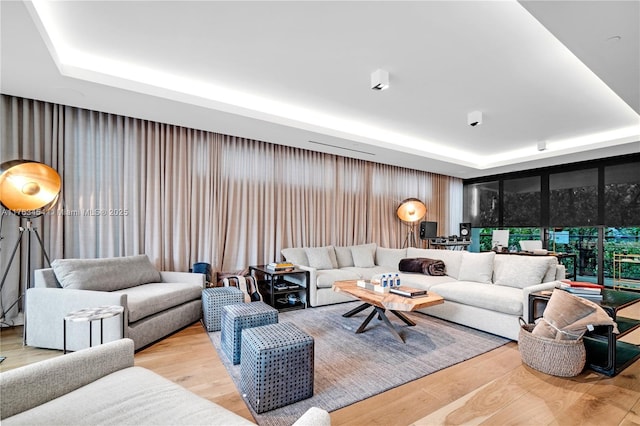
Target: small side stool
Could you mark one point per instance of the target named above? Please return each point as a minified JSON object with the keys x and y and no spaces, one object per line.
{"x":213,"y":299}
{"x":276,"y":367}
{"x":236,"y":318}
{"x":89,"y":315}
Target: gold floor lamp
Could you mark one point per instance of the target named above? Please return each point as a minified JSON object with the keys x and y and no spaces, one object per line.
{"x":411,"y":211}
{"x":29,"y":189}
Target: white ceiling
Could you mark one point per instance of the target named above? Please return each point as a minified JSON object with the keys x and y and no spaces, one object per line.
{"x":298,"y":74}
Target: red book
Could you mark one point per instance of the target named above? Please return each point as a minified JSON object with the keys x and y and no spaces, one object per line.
{"x":583,"y":284}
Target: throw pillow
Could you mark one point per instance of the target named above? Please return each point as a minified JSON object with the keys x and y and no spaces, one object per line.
{"x":476,"y":267}
{"x":343,"y":256}
{"x":390,"y":257}
{"x":319,"y":257}
{"x":362,"y":256}
{"x":520,"y":271}
{"x":295,"y":255}
{"x":107,"y":274}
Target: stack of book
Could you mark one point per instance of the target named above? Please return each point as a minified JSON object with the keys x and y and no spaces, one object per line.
{"x":280,"y":267}
{"x":587,"y":290}
{"x":408,"y":291}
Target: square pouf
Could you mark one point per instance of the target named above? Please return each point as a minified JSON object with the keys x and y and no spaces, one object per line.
{"x":213,"y":299}
{"x":276,"y":367}
{"x":236,"y":318}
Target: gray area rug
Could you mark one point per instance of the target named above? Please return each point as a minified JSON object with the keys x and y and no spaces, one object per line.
{"x":351,"y":367}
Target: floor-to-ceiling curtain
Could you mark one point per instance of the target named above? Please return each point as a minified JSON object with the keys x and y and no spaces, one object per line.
{"x":183,"y":196}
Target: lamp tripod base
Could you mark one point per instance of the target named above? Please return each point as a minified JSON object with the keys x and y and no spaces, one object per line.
{"x":30,"y":229}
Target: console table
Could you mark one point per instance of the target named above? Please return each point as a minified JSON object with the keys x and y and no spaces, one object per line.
{"x":605,"y":354}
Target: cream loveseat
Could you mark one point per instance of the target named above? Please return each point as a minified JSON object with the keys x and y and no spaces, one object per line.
{"x":155,"y":303}
{"x":487,"y":291}
{"x":100,"y":385}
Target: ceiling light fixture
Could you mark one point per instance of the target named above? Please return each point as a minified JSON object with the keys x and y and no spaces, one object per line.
{"x":542,"y":145}
{"x":379,"y":80}
{"x":474,"y":118}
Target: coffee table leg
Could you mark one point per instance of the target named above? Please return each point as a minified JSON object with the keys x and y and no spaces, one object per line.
{"x":356,"y":310}
{"x":366,"y":321}
{"x":388,"y":323}
{"x":404,"y":318}
{"x":381,"y":315}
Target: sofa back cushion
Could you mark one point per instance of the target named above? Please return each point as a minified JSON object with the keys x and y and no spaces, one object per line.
{"x":364,"y":255}
{"x":390,"y":258}
{"x":321,"y":257}
{"x":344,"y":257}
{"x":477,"y":267}
{"x":452,"y":259}
{"x":108,"y":274}
{"x":295,"y":255}
{"x":522,"y":271}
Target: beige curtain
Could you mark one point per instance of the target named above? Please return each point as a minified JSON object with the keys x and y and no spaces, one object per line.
{"x":183,"y":196}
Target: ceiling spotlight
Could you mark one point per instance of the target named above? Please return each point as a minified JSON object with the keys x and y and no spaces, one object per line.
{"x":474,"y":118}
{"x":379,"y":80}
{"x":542,"y":145}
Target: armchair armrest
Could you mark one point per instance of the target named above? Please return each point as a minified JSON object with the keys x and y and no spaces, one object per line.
{"x":34,"y":384}
{"x":45,"y":278}
{"x":532,"y":289}
{"x":312,"y":288}
{"x":47,"y":307}
{"x":183,"y":277}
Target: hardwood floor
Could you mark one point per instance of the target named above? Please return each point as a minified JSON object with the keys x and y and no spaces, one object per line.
{"x":492,"y":389}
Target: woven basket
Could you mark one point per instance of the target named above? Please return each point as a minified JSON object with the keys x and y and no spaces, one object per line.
{"x":564,"y":358}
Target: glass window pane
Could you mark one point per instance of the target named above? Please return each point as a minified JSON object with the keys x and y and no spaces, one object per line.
{"x":622,"y":194}
{"x":573,"y":198}
{"x":522,"y":202}
{"x":583,"y":242}
{"x":481,"y":204}
{"x":621,"y":241}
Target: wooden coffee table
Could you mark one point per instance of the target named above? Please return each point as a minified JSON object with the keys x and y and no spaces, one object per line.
{"x":382,"y":302}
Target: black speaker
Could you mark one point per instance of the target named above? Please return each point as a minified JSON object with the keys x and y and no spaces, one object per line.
{"x":465,"y":231}
{"x":428,"y":230}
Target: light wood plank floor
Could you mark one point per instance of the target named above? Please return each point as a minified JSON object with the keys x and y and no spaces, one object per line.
{"x":491,"y":389}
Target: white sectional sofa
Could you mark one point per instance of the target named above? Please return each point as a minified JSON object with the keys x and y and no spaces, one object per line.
{"x":487,"y":291}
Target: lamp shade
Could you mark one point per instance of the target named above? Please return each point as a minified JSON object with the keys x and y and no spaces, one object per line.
{"x":28,"y":188}
{"x":411,"y":210}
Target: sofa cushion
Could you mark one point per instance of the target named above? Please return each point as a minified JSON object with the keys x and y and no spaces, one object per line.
{"x":390,"y":258}
{"x":107,"y":274}
{"x":326,"y":278}
{"x":295,"y":255}
{"x":368,"y":273}
{"x":423,"y":281}
{"x":452,"y":258}
{"x":130,"y":396}
{"x":320,"y":258}
{"x":363,"y":255}
{"x":492,"y":297}
{"x":476,"y":267}
{"x":343,"y":256}
{"x":521,"y":271}
{"x":149,"y":299}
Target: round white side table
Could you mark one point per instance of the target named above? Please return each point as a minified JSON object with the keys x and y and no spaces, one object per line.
{"x":89,"y":315}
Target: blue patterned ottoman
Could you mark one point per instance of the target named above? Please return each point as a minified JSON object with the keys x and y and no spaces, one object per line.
{"x":236,"y":318}
{"x":213,"y":299}
{"x":276,"y":367}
